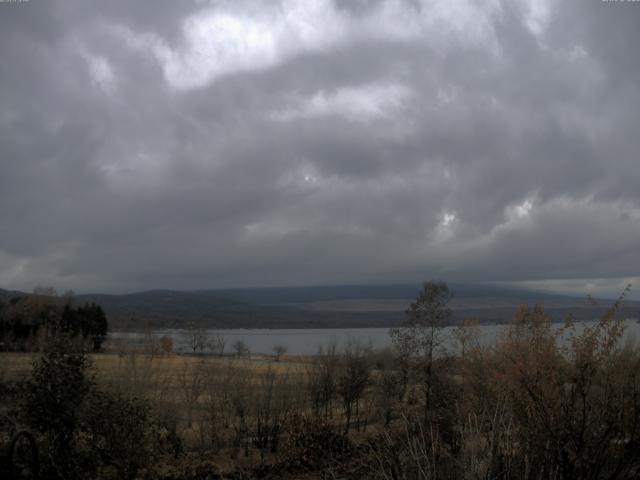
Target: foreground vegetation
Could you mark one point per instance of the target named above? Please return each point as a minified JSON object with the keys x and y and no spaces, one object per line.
{"x":543,"y":402}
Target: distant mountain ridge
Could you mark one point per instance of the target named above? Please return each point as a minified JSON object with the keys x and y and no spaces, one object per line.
{"x":287,"y":295}
{"x":323,"y":306}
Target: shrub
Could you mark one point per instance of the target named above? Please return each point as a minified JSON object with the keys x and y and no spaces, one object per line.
{"x":166,"y":343}
{"x":82,"y":431}
{"x":52,"y":401}
{"x":572,"y":397}
{"x":116,"y":428}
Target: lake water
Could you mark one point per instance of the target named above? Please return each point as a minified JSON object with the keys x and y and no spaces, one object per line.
{"x":308,"y":341}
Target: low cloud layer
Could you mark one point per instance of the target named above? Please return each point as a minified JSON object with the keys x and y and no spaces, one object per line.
{"x":236,"y":143}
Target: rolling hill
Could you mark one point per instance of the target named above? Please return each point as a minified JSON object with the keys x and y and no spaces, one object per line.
{"x":324,"y":306}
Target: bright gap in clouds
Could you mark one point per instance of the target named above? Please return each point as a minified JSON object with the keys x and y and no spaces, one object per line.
{"x":221,"y":40}
{"x":361,"y":103}
{"x":448,"y":219}
{"x":607,"y":288}
{"x":100,"y":71}
{"x":524,"y":209}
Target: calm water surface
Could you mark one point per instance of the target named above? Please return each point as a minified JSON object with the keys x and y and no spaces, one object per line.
{"x":308,"y":341}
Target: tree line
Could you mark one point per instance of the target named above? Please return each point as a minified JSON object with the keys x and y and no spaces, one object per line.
{"x":27,"y":321}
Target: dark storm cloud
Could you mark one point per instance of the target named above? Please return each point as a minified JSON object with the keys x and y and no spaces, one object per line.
{"x":204,"y":144}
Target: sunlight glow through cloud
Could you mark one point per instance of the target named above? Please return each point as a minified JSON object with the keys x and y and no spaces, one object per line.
{"x":219,"y":41}
{"x":357,"y":104}
{"x":524,"y":208}
{"x":448,"y":219}
{"x":100,"y":71}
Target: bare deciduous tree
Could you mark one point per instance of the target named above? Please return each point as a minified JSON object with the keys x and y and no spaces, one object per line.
{"x":272,"y":405}
{"x":241,"y":348}
{"x":353,"y":379}
{"x":421,"y":333}
{"x":388,"y":391}
{"x":279,"y":351}
{"x":191,"y":382}
{"x":322,"y":378}
{"x":196,"y":337}
{"x":218,"y":343}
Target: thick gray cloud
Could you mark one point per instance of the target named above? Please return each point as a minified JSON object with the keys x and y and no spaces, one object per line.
{"x":238,"y":143}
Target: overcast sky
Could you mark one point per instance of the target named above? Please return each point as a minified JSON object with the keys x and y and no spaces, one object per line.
{"x":197,"y":144}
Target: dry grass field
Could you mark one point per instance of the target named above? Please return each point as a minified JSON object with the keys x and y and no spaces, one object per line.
{"x":154,"y":377}
{"x":209,"y":403}
{"x":16,"y":366}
